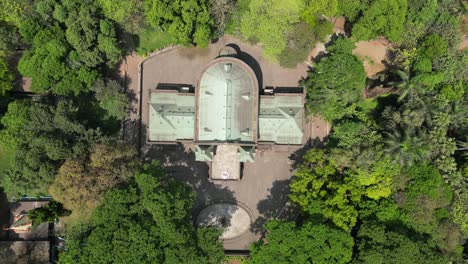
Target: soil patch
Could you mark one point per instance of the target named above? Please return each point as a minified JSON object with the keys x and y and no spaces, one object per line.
{"x":372,"y":53}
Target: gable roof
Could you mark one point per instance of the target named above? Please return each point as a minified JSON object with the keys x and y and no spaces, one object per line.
{"x":171,"y":116}
{"x":280,"y":118}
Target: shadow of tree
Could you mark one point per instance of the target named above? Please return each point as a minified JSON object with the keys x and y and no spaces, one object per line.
{"x":298,"y":156}
{"x":180,"y":164}
{"x":272,"y":206}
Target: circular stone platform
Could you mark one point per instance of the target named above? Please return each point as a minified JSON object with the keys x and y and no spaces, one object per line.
{"x":233,"y":219}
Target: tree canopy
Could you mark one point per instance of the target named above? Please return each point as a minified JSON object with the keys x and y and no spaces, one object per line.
{"x":189,"y":21}
{"x":147,"y":222}
{"x":336,"y":82}
{"x":70,"y":43}
{"x":81,"y":183}
{"x":309,"y":243}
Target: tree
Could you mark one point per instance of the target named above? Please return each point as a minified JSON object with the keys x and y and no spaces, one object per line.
{"x":377,"y":243}
{"x":322,"y":189}
{"x":189,"y":21}
{"x":309,"y":243}
{"x":71,"y":42}
{"x":112,"y":98}
{"x":81,"y":183}
{"x":315,"y":9}
{"x":47,"y":213}
{"x":423,"y":198}
{"x":336,"y":82}
{"x":149,"y":221}
{"x":301,"y":39}
{"x":382,"y":18}
{"x":128,"y":14}
{"x":43,"y":137}
{"x":222,"y":11}
{"x":6,"y":77}
{"x":9,"y":37}
{"x":268,"y":22}
{"x":14,"y":11}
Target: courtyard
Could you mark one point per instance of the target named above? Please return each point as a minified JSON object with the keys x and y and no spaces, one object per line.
{"x":263,"y":186}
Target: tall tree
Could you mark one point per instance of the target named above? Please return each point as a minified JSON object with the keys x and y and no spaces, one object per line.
{"x":6,"y":77}
{"x":309,"y":243}
{"x":112,"y":98}
{"x":71,"y":42}
{"x":189,"y":21}
{"x":43,"y":136}
{"x":81,"y":183}
{"x":150,"y":221}
{"x":379,"y":244}
{"x":267,"y":22}
{"x":382,"y":18}
{"x":336,"y":82}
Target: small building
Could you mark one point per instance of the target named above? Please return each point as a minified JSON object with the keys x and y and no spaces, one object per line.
{"x":227,"y":116}
{"x":20,"y":242}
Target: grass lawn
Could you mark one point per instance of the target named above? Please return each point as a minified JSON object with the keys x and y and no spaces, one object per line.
{"x":5,"y":158}
{"x":152,"y":39}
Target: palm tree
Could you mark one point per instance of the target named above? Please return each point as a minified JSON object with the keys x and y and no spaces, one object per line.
{"x":407,"y":147}
{"x":406,"y":85}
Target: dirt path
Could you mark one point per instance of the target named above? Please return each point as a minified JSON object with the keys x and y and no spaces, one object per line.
{"x":129,"y":71}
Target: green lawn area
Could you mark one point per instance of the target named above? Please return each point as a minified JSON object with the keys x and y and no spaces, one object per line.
{"x":6,"y":156}
{"x":152,"y":39}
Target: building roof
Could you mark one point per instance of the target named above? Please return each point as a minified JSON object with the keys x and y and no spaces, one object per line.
{"x":227,"y":99}
{"x":280,"y":118}
{"x":20,"y":224}
{"x":25,"y":252}
{"x":171,"y":116}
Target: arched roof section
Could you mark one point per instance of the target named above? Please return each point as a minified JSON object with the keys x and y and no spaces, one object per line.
{"x":227,"y":102}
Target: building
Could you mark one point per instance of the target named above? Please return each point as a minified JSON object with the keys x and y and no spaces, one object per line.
{"x":19,"y":241}
{"x":227,"y":115}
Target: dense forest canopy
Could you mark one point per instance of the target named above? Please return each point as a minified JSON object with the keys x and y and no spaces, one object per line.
{"x":388,"y":185}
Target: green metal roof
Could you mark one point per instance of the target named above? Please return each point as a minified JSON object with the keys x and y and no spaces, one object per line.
{"x":204,"y":153}
{"x":280,"y":119}
{"x":171,"y":116}
{"x":227,"y":101}
{"x":246,"y":153}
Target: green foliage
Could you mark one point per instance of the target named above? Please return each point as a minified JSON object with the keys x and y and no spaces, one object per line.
{"x":352,"y":9}
{"x":314,"y":9}
{"x":81,"y":183}
{"x":9,"y":37}
{"x":6,"y":77}
{"x":112,"y":98}
{"x":382,"y":18}
{"x":14,"y":11}
{"x":460,"y":211}
{"x":146,"y":222}
{"x":128,"y":14}
{"x":70,"y":42}
{"x":187,"y":21}
{"x":150,"y":40}
{"x":425,"y":192}
{"x":321,"y":189}
{"x":336,"y":82}
{"x":14,"y":122}
{"x":301,"y":40}
{"x":379,"y":244}
{"x":47,"y":213}
{"x":309,"y":243}
{"x":268,"y":21}
{"x":43,"y":136}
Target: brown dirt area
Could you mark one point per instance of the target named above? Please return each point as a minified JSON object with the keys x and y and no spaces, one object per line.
{"x":372,"y":53}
